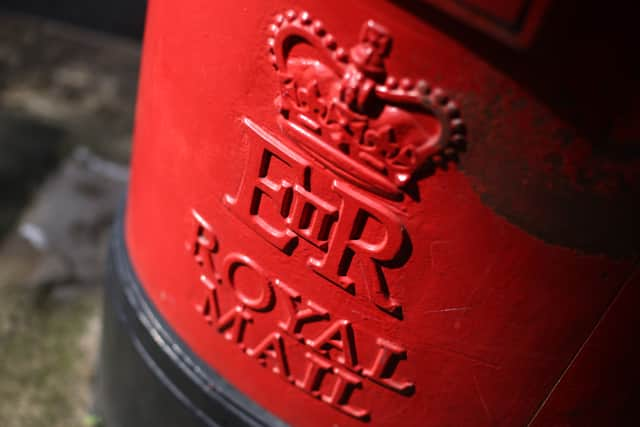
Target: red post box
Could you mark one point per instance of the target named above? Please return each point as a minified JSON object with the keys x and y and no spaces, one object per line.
{"x":379,"y":212}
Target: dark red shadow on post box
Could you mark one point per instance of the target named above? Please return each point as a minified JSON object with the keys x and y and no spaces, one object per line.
{"x":416,"y":213}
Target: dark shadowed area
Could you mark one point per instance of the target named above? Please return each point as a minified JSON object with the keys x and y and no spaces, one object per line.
{"x":122,"y":17}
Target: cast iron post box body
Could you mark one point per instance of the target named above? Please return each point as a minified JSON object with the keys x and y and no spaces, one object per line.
{"x":378,"y":212}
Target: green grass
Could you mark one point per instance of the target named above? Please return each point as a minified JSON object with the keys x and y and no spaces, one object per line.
{"x":45,"y":367}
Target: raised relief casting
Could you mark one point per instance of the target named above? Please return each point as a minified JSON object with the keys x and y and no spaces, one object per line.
{"x":354,"y":139}
{"x":280,"y":177}
{"x":334,"y":367}
{"x":368,"y":128}
{"x":345,"y":110}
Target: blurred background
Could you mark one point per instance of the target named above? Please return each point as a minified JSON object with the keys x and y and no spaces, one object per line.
{"x":68,"y":75}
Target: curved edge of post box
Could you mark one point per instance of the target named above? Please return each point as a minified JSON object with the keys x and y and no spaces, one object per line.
{"x":147,"y":375}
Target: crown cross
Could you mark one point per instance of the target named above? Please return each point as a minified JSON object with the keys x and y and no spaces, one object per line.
{"x":344,"y":109}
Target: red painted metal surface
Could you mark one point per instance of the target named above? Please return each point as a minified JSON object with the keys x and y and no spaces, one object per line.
{"x":348,"y":245}
{"x":597,"y":388}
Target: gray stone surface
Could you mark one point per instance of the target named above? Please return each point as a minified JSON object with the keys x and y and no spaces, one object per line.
{"x":66,"y":114}
{"x":51,"y":269}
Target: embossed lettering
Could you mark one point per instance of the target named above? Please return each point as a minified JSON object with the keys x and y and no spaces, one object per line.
{"x":384,"y":365}
{"x":311,"y":217}
{"x":210,"y":307}
{"x":263,"y":301}
{"x":258,"y":184}
{"x":317,"y":368}
{"x":332,"y":372}
{"x":347,"y":242}
{"x":344,"y":385}
{"x":299,"y":316}
{"x":204,"y":246}
{"x":337,"y":232}
{"x":272,"y":347}
{"x":368,"y":134}
{"x":233,"y":323}
{"x":339,"y":335}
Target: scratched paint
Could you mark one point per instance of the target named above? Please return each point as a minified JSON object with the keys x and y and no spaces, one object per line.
{"x":434,"y":292}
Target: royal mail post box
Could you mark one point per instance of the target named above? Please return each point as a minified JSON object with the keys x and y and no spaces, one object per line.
{"x":376,"y":212}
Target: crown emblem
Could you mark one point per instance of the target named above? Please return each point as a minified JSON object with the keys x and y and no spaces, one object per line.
{"x":343,"y":108}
